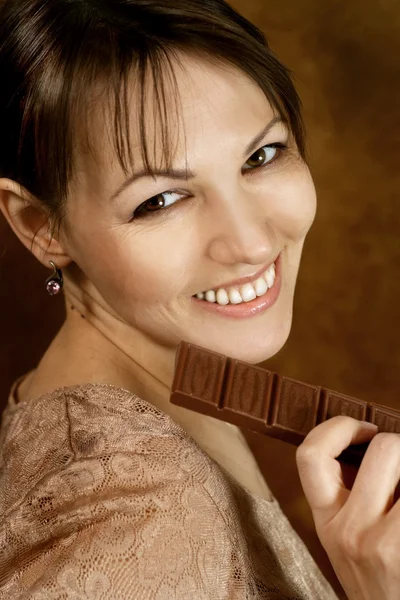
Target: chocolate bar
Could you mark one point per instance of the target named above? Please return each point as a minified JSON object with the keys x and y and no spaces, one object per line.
{"x":264,"y":402}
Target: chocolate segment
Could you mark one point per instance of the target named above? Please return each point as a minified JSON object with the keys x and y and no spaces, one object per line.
{"x":246,"y":397}
{"x":202,"y":374}
{"x":262,"y":401}
{"x":295,"y":411}
{"x":336,"y":404}
{"x":387,"y":419}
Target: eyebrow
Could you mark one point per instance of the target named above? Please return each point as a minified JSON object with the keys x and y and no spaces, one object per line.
{"x":187,"y":174}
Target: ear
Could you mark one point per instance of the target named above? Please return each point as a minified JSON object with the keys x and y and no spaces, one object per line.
{"x":30,"y":221}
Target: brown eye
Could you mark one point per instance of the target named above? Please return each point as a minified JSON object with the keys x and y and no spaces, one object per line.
{"x":257,"y":159}
{"x":155,"y":203}
{"x":264,"y":156}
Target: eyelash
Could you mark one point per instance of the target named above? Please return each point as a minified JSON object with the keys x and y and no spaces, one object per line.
{"x":140,"y":213}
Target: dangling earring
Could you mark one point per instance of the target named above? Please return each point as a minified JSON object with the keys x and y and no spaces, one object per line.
{"x":55,"y":282}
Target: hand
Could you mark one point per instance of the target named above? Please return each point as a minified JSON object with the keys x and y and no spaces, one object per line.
{"x":359,"y":528}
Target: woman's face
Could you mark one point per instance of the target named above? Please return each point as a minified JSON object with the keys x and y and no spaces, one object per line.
{"x":228,"y":220}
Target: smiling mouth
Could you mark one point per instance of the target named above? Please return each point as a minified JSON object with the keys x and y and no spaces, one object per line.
{"x":241,"y":293}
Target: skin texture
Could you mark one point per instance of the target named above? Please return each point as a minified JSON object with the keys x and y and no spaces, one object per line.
{"x":135,"y":279}
{"x":358,"y":527}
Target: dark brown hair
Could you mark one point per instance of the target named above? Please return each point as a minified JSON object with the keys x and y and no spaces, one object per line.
{"x":54,"y":53}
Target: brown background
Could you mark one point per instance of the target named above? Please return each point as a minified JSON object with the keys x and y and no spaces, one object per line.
{"x":345,"y":56}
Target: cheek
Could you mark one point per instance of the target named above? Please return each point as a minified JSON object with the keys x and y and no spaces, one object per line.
{"x":295,"y":206}
{"x":129,"y":264}
{"x":142,"y":267}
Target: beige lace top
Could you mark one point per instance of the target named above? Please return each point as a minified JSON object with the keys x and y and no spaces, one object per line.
{"x":103,"y":496}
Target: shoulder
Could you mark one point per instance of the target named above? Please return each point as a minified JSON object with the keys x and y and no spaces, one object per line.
{"x":82,"y":423}
{"x":90,"y":417}
{"x":117,"y":504}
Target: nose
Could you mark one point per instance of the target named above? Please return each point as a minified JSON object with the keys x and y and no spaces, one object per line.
{"x":239,"y":230}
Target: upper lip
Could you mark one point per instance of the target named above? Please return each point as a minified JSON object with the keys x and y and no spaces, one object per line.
{"x":246,"y":279}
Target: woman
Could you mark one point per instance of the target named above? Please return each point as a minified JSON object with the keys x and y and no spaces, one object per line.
{"x":153,"y":154}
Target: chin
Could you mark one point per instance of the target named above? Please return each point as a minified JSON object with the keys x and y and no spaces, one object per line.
{"x":266,"y":350}
{"x":253,"y":350}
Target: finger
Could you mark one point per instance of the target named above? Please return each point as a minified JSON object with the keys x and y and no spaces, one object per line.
{"x":376,"y":481}
{"x":320,"y":472}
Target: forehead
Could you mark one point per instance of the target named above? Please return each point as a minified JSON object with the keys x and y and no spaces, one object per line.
{"x":217,"y":99}
{"x":201,"y":101}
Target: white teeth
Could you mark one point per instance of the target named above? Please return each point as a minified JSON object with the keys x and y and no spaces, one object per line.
{"x":270,"y":277}
{"x":244,"y":293}
{"x":234,"y":296}
{"x":222,"y":297}
{"x":248,"y":292}
{"x":261,"y":287}
{"x":210,"y":296}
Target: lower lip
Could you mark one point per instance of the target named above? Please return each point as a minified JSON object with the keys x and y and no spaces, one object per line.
{"x":248,"y":309}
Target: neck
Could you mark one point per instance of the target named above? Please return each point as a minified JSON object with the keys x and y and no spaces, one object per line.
{"x":99,"y":348}
{"x":84,"y":351}
{"x":94,"y":355}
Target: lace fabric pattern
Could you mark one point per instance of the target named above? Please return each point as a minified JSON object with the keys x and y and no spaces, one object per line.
{"x":103,"y":496}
